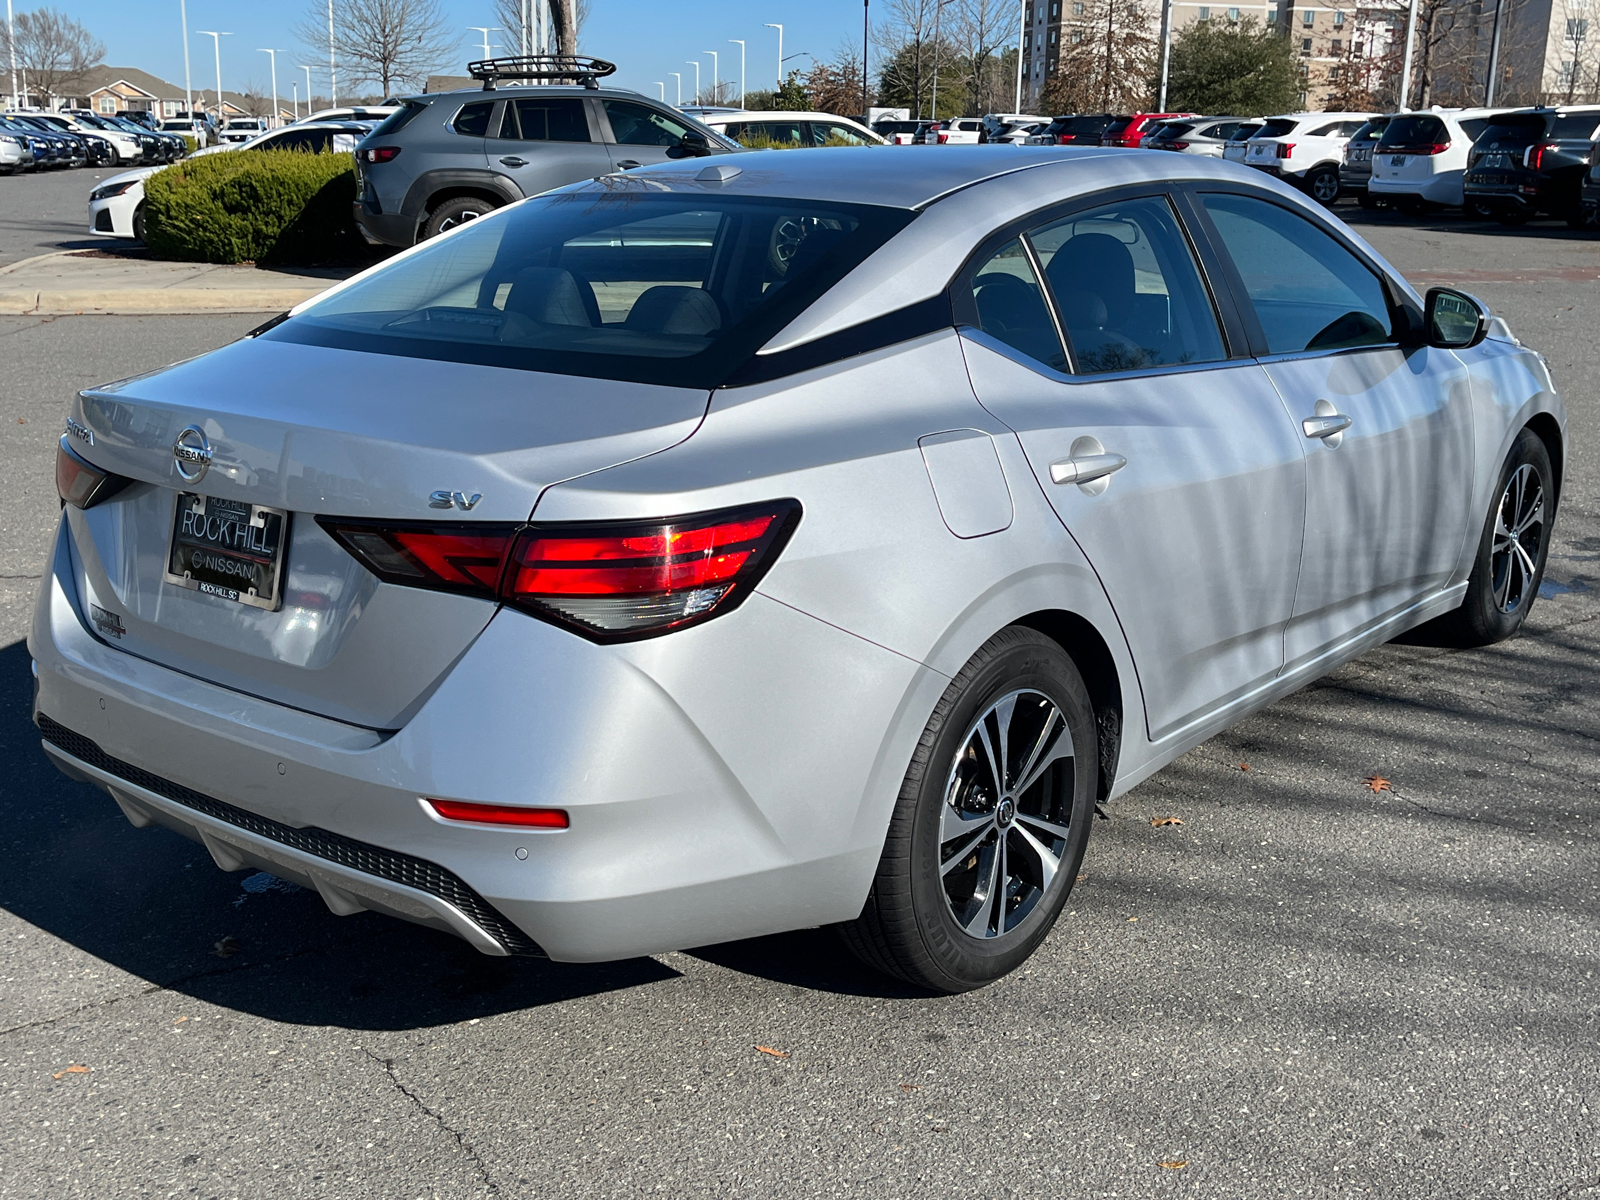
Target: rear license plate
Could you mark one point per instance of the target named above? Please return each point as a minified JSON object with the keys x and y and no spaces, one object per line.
{"x":1399,"y":160}
{"x":1491,"y":161}
{"x":227,"y":549}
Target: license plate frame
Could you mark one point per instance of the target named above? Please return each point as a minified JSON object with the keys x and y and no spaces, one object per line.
{"x":228,"y":543}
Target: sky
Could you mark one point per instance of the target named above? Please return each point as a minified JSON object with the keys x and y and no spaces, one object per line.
{"x":647,"y":39}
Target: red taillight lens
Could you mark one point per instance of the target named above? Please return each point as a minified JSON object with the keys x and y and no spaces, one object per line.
{"x":381,"y":154}
{"x":1285,"y":149}
{"x":1533,"y":156}
{"x":79,"y":482}
{"x":610,"y":581}
{"x":1176,"y":145}
{"x":944,"y":139}
{"x":500,"y":814}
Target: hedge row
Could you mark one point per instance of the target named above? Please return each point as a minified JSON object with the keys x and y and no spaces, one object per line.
{"x":268,"y":206}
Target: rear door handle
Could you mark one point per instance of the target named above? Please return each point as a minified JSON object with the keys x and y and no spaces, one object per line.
{"x":1086,"y":468}
{"x":627,"y":164}
{"x":1325,"y":427}
{"x":513,"y":161}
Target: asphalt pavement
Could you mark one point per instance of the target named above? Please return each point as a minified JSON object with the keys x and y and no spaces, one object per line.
{"x":47,"y":211}
{"x":1309,"y":988}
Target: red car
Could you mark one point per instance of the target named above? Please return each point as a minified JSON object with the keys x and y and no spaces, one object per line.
{"x":1126,"y":131}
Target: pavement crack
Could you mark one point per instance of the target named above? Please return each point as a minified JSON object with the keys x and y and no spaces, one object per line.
{"x":1455,"y":816}
{"x":472,"y":1155}
{"x":34,"y":576}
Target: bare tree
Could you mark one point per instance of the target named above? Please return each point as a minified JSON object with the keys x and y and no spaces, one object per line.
{"x":979,"y":28}
{"x":1107,"y":60}
{"x":909,"y":53}
{"x":386,"y":42}
{"x":513,"y":14}
{"x":835,"y":86}
{"x":52,"y":48}
{"x":254,"y":100}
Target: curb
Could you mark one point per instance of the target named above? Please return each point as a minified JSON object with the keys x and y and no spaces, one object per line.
{"x":150,"y":301}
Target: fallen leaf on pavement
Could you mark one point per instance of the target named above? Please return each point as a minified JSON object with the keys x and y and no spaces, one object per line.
{"x":180,"y":1020}
{"x":227,"y":947}
{"x":1376,"y":783}
{"x":1176,"y":1165}
{"x":909,"y":1087}
{"x":74,"y":1069}
{"x":774,"y":1053}
{"x":1244,"y":766}
{"x":1166,"y":820}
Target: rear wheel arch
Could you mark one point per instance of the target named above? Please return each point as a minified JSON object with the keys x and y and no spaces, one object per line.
{"x":1092,"y":656}
{"x":463,"y":191}
{"x":1548,"y":430}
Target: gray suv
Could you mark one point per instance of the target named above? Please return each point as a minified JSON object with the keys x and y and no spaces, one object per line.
{"x":449,"y":157}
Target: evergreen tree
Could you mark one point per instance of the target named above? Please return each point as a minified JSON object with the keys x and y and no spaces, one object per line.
{"x":1244,"y":69}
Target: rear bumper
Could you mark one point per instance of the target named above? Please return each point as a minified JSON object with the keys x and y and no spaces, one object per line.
{"x":1436,"y":189}
{"x":706,"y":804}
{"x":386,"y":229}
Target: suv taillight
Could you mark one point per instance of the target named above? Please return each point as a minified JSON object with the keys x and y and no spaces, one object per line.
{"x":1533,"y":156}
{"x":609,"y":581}
{"x":1285,"y":149}
{"x":381,"y":154}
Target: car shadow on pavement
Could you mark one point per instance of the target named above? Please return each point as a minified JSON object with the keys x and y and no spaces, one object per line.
{"x":151,"y":903}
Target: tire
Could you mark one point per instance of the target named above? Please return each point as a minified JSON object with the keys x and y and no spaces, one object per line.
{"x":1577,"y":219}
{"x":910,"y":927}
{"x":138,"y":224}
{"x":1477,"y":210}
{"x":455,"y":212}
{"x":1322,"y":184}
{"x":1505,"y":582}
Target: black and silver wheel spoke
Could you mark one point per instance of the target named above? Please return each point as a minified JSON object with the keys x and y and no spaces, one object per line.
{"x":1004,"y":827}
{"x":1517,"y":539}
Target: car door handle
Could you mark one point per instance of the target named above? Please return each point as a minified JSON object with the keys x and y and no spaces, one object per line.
{"x":1325,"y":425}
{"x":511,"y":160}
{"x":1086,"y":468}
{"x":627,"y":164}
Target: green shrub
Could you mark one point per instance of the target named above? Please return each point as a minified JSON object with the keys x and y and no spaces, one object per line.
{"x":269,"y":206}
{"x":190,"y":142}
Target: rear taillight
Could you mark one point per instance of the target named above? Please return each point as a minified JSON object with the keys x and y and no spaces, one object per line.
{"x":381,"y":154}
{"x":1533,"y":156}
{"x":1285,"y":149}
{"x":1065,"y":139}
{"x":944,"y":138}
{"x":500,"y":814}
{"x":79,"y":482}
{"x":1417,"y":148}
{"x":1175,"y":145}
{"x":609,"y":581}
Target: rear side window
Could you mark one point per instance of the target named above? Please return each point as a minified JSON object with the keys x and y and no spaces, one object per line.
{"x":1474,"y":127}
{"x":634,"y":124}
{"x":540,"y":120}
{"x":1512,"y":132}
{"x":824,"y":134}
{"x":473,"y":119}
{"x":1308,"y":291}
{"x":1127,"y":289}
{"x":1011,"y":306}
{"x":620,"y":283}
{"x":1576,"y":126}
{"x":1372,"y":131}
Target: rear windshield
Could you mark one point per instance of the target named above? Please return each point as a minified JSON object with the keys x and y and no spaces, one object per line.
{"x":1172,"y":130}
{"x":1277,"y":128}
{"x":398,"y":119}
{"x":1118,"y":127}
{"x":1371,"y":131}
{"x":621,"y":284}
{"x":1413,"y":131}
{"x":1576,"y":126}
{"x":1079,"y":124}
{"x":1512,"y":132}
{"x":1245,"y":132}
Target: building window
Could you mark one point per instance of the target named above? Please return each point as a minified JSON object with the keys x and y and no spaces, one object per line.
{"x":1391,"y":21}
{"x":1333,"y":74}
{"x":1027,"y":41}
{"x":1567,"y":69}
{"x":1357,"y":49}
{"x":1052,"y":37}
{"x":1302,"y":99}
{"x":1233,"y":15}
{"x":1305,"y":46}
{"x":1205,"y":14}
{"x":1055,"y":10}
{"x":1336,"y":47}
{"x":1272,"y":16}
{"x":108,"y":104}
{"x":1309,"y":19}
{"x":1077,"y":8}
{"x":1577,"y":29}
{"x":1338,"y":20}
{"x":1077,"y":37}
{"x":1305,"y":70}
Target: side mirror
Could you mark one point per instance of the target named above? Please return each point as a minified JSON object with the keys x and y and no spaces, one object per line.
{"x":691,"y":145}
{"x":1455,"y":320}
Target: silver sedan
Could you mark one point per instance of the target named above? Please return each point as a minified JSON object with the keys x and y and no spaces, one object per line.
{"x":715,"y":550}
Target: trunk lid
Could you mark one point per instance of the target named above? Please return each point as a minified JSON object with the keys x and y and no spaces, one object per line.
{"x":310,"y":431}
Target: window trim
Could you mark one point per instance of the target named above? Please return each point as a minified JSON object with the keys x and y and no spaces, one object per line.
{"x":1235,"y":341}
{"x":1406,"y":319}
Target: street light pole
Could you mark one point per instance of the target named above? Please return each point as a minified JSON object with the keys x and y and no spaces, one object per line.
{"x":663,"y":88}
{"x":938,"y":11}
{"x":866,"y":44}
{"x":486,"y":30}
{"x":715,"y":72}
{"x":294,"y":86}
{"x":779,"y":28}
{"x":273,"y":55}
{"x":741,"y":67}
{"x":307,"y":70}
{"x":1494,"y":55}
{"x":216,"y":46}
{"x":333,"y":63}
{"x":1411,"y":45}
{"x":678,"y":76}
{"x":696,"y":65}
{"x":11,"y":41}
{"x":1166,"y":51}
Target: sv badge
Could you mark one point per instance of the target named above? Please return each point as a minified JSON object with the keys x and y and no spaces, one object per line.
{"x":460,"y":500}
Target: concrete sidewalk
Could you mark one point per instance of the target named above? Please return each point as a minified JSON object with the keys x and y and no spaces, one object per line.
{"x":91,"y":281}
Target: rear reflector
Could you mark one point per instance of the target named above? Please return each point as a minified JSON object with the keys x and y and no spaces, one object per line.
{"x":609,"y":581}
{"x":500,"y":814}
{"x":79,"y":482}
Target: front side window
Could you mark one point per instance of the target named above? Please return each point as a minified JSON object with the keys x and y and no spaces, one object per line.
{"x":624,"y":284}
{"x":1127,"y":289}
{"x":1011,"y":306}
{"x":634,"y":124}
{"x":539,"y":120}
{"x":473,"y":119}
{"x":1309,"y":292}
{"x":827,"y":134}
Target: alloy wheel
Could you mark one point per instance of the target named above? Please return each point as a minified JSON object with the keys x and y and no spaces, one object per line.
{"x":1325,"y":187}
{"x":1519,"y":524}
{"x":1007,"y":807}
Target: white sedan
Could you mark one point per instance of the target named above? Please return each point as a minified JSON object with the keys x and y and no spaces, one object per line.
{"x":116,"y":206}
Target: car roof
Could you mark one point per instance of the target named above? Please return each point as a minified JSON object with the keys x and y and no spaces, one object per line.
{"x":752,"y":114}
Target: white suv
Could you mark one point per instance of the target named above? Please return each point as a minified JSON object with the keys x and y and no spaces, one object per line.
{"x":1305,"y":149}
{"x":1422,"y":155}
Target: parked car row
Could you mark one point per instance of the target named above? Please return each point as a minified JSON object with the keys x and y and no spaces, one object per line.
{"x":34,"y":141}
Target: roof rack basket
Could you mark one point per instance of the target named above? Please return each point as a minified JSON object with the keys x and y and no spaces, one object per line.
{"x":577,"y":68}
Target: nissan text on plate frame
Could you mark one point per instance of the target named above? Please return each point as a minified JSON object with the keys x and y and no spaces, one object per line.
{"x":685,"y":556}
